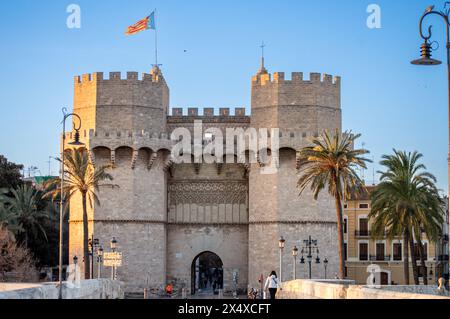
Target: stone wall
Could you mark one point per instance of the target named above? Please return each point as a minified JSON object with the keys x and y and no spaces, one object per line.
{"x":141,"y":104}
{"x":336,"y":289}
{"x":134,"y":213}
{"x":305,"y":107}
{"x":89,"y":289}
{"x":229,"y":242}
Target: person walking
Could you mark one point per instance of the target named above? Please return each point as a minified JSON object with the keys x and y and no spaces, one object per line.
{"x":272,"y":283}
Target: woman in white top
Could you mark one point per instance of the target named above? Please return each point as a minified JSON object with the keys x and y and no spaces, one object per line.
{"x":273,"y":284}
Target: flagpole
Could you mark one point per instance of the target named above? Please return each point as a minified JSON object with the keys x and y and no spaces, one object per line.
{"x":156,"y":42}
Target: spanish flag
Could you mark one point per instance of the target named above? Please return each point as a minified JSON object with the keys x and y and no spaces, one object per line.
{"x":145,"y":24}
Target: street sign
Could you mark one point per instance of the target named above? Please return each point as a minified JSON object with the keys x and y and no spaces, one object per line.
{"x":112,"y":259}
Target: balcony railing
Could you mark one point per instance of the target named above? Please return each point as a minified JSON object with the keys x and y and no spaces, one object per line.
{"x":443,"y":258}
{"x":363,"y":258}
{"x":380,"y":258}
{"x":362,"y":233}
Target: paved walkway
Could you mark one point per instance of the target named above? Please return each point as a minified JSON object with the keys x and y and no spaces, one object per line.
{"x":206,"y":296}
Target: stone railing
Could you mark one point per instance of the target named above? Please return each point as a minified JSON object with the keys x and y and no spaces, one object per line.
{"x":346,"y":289}
{"x":89,"y":289}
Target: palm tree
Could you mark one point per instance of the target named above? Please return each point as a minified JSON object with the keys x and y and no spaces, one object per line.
{"x":331,"y":162}
{"x":81,"y":177}
{"x":23,"y":213}
{"x":405,"y":204}
{"x":7,"y":218}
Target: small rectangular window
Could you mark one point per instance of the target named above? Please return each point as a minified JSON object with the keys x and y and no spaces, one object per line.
{"x":363,"y":227}
{"x":363,"y":206}
{"x":345,"y":225}
{"x":417,"y":251}
{"x":380,"y":251}
{"x":364,"y":251}
{"x":397,"y":251}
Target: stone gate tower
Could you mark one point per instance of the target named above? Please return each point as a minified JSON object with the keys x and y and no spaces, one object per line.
{"x":173,"y":221}
{"x":300,"y":109}
{"x":118,"y":118}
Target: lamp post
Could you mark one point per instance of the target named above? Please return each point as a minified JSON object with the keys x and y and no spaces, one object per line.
{"x":295,"y":254}
{"x":99,"y":261}
{"x":310,"y":248}
{"x":426,"y":59}
{"x":75,"y":262}
{"x":325,"y":264}
{"x":93,"y":243}
{"x":76,"y":142}
{"x":113,"y":248}
{"x":281,"y":243}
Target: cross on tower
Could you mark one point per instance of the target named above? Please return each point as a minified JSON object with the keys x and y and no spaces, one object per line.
{"x":262,"y":49}
{"x":262,"y":69}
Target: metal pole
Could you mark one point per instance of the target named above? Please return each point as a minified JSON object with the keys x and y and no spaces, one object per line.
{"x":113,"y":268}
{"x":448,"y":83}
{"x":309,"y":262}
{"x":325,"y":271}
{"x":156,"y":41}
{"x":61,"y":209}
{"x":99,"y":267}
{"x":310,"y":256}
{"x":92,"y":257}
{"x":295,"y":267}
{"x":281,"y":280}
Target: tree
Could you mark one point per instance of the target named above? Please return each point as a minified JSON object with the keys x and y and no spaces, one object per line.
{"x":16,"y":262}
{"x":10,"y":176}
{"x":405,"y":204}
{"x":81,"y":177}
{"x":7,"y":218}
{"x":23,"y":206}
{"x":331,"y":162}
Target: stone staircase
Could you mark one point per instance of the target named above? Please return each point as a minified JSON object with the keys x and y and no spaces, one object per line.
{"x":134,"y":295}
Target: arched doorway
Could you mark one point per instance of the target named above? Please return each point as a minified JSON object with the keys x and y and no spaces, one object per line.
{"x":384,"y":278}
{"x":206,"y":273}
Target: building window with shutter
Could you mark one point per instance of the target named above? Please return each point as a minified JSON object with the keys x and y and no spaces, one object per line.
{"x":363,"y":251}
{"x":397,"y":251}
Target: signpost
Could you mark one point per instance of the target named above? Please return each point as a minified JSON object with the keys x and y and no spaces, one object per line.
{"x":112,"y":259}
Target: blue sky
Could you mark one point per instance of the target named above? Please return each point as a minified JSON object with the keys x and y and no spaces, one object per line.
{"x":392,"y":103}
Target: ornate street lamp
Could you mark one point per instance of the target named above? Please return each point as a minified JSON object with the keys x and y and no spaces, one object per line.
{"x":325,"y":264}
{"x":93,"y":244}
{"x":295,"y":254}
{"x":99,"y":261}
{"x":281,"y":243}
{"x":113,"y":248}
{"x":113,"y":244}
{"x":75,"y":142}
{"x":310,"y":248}
{"x":426,"y":59}
{"x":75,"y":262}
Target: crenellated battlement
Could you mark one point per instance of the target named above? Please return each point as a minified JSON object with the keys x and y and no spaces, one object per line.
{"x":114,"y":139}
{"x":296,"y":78}
{"x":131,"y":77}
{"x":208,"y":112}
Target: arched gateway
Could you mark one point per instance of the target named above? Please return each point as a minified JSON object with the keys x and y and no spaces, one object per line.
{"x":206,"y":273}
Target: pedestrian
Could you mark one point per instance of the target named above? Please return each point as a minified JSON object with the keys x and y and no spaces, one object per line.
{"x":272,"y":283}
